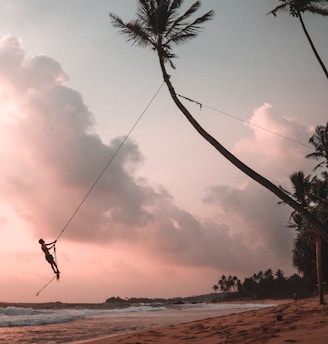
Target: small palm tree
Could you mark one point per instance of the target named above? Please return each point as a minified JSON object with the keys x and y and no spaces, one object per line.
{"x":159,"y":26}
{"x":296,"y":8}
{"x":223,"y":284}
{"x":268,"y":275}
{"x":319,"y":141}
{"x":279,"y":274}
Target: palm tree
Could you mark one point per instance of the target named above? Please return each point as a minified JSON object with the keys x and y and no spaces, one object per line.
{"x":232,"y":283}
{"x":268,"y":275}
{"x":159,"y":26}
{"x":319,"y":141}
{"x":236,"y":282}
{"x":296,"y":8}
{"x":250,"y":286}
{"x":312,"y":193}
{"x":301,"y":186}
{"x":280,"y":275}
{"x":223,"y":284}
{"x":304,"y":258}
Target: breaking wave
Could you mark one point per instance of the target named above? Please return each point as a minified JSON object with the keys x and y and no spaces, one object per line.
{"x":20,"y":316}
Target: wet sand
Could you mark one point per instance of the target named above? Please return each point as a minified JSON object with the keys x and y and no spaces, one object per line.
{"x":303,"y":321}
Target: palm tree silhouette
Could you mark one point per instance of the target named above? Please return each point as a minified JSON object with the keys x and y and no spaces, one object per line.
{"x":319,"y":141}
{"x":313,"y":194}
{"x":305,"y":190}
{"x":296,"y":8}
{"x":159,"y":26}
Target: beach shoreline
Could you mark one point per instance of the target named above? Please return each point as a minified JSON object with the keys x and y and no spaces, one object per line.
{"x":58,"y":322}
{"x":126,"y":304}
{"x":302,"y":321}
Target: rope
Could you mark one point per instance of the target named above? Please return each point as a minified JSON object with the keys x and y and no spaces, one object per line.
{"x":108,"y":163}
{"x":244,"y":121}
{"x":46,"y":285}
{"x":55,"y":254}
{"x":97,"y":180}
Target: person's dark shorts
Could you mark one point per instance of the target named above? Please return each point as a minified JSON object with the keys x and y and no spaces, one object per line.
{"x":50,"y":258}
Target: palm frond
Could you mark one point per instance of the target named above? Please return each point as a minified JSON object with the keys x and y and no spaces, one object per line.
{"x":295,"y":7}
{"x":301,"y":185}
{"x":133,"y":31}
{"x":177,"y":24}
{"x":189,"y":31}
{"x":143,"y":9}
{"x":319,"y":140}
{"x":282,"y":7}
{"x":192,"y":9}
{"x":160,"y":20}
{"x":175,"y":5}
{"x":316,"y":10}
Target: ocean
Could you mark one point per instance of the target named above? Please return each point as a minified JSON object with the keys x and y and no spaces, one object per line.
{"x":53,"y":326}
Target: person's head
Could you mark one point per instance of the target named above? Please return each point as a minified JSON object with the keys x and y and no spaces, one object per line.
{"x":41,"y":241}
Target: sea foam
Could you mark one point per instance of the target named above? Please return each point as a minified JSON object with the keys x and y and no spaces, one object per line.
{"x":19,"y":316}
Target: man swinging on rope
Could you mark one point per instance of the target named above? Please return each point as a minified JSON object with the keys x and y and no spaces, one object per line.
{"x":50,"y":259}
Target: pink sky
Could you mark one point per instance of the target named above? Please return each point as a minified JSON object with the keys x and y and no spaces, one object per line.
{"x":169,"y":216}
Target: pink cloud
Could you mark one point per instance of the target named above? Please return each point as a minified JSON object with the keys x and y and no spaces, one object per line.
{"x":275,"y":155}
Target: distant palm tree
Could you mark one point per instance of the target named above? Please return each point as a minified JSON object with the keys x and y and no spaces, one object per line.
{"x":296,"y":8}
{"x":223,"y":284}
{"x":215,"y":288}
{"x":268,"y":275}
{"x":319,"y":141}
{"x":279,"y":274}
{"x":159,"y":26}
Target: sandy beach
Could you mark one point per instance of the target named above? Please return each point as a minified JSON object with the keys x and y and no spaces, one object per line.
{"x":303,"y":321}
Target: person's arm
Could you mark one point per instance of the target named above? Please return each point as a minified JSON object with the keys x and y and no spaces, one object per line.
{"x":51,"y":244}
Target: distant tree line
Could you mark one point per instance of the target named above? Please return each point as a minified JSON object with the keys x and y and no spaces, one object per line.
{"x":267,"y":284}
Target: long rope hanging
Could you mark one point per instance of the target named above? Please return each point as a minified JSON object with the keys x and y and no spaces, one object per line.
{"x":99,"y":177}
{"x":108,"y":163}
{"x":124,"y":140}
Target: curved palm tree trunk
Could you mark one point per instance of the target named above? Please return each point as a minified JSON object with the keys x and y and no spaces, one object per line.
{"x":312,"y":46}
{"x":235,"y":161}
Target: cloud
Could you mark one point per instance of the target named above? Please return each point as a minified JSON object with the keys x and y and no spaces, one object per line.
{"x":257,"y":221}
{"x":252,"y":211}
{"x":277,"y":144}
{"x":53,"y":156}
